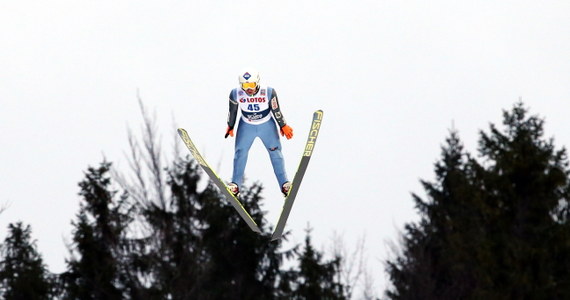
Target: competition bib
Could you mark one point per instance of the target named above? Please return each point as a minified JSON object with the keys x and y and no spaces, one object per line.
{"x":254,"y":109}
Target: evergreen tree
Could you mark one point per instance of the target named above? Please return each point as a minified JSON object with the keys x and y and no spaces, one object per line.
{"x":239,"y":264}
{"x":495,"y":230}
{"x":528,"y":189}
{"x":169,"y":254}
{"x":22,"y":272}
{"x":94,"y":271}
{"x":200,"y":246}
{"x":314,"y":278}
{"x":194,"y":245}
{"x":435,"y":263}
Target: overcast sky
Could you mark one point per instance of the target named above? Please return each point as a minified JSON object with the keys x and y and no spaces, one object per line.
{"x":391,"y":76}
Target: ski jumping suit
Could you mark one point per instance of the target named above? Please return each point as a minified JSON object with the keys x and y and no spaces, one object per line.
{"x":259,"y":113}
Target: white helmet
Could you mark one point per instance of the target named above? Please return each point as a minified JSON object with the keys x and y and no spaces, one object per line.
{"x":249,"y":75}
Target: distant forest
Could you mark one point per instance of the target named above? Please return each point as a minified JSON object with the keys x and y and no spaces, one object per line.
{"x":494,"y":225}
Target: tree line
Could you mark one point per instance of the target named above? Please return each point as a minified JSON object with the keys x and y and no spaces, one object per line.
{"x":492,"y":226}
{"x":152,"y":233}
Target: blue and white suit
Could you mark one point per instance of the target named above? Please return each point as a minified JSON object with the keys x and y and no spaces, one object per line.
{"x":259,"y":115}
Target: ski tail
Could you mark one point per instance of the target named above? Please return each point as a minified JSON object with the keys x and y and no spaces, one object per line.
{"x":298,"y":178}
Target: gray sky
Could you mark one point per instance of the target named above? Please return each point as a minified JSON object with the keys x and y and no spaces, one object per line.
{"x":391,"y":76}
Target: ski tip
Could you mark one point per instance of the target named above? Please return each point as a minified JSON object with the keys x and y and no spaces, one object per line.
{"x":318,"y":115}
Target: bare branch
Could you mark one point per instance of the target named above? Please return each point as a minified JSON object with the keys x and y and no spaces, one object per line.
{"x":368,"y":286}
{"x":152,"y":146}
{"x":145,"y":181}
{"x":4,"y":207}
{"x":354,"y":273}
{"x":176,"y":144}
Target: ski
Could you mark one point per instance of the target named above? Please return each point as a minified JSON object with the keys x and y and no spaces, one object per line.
{"x":217,"y":181}
{"x":307,"y":152}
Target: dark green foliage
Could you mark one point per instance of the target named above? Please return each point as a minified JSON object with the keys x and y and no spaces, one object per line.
{"x":496,"y":229}
{"x":22,"y":272}
{"x":314,"y":278}
{"x":200,"y":248}
{"x":169,"y":255}
{"x":164,"y":238}
{"x":95,"y":268}
{"x":528,"y":182}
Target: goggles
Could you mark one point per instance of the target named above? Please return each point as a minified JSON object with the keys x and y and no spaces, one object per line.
{"x":248,"y":85}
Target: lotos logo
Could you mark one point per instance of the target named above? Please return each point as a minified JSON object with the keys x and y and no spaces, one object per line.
{"x":246,"y":76}
{"x":252,"y":100}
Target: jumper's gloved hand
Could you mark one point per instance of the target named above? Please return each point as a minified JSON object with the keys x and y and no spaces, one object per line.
{"x":230,"y":132}
{"x":287,"y":131}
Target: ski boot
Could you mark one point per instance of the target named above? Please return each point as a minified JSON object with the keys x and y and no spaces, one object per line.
{"x":286,"y":188}
{"x":234,"y":189}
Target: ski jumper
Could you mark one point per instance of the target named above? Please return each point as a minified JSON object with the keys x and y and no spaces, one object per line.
{"x":259,"y":113}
